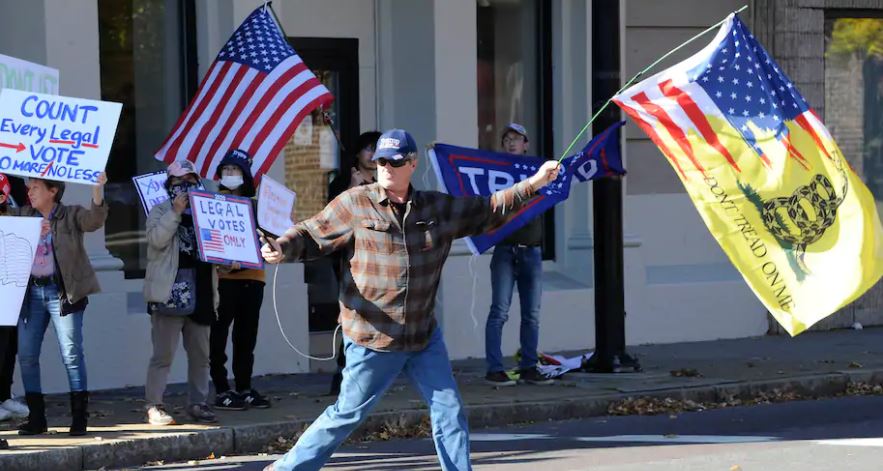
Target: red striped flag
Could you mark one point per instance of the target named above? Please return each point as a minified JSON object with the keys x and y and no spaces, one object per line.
{"x":253,"y":97}
{"x":212,"y":240}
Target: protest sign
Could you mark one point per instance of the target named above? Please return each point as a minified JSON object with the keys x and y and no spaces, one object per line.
{"x":225,"y":229}
{"x":275,"y":207}
{"x":18,"y":243}
{"x":151,"y":189}
{"x":56,"y":138}
{"x":17,"y":74}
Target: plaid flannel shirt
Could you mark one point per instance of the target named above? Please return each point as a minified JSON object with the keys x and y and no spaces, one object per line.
{"x":391,"y":271}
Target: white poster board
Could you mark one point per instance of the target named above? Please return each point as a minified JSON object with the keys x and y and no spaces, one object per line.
{"x":18,"y":244}
{"x":275,"y":206}
{"x":225,"y":229}
{"x":17,"y":74}
{"x":55,"y":137}
{"x":151,"y":189}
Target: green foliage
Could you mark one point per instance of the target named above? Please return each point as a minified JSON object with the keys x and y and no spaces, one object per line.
{"x":861,"y":36}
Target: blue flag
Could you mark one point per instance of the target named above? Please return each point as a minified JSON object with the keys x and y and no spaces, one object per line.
{"x":464,"y":171}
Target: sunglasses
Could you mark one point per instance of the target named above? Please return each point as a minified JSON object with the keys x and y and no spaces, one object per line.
{"x":393,"y":163}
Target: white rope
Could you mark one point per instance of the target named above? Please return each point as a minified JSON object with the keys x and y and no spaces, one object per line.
{"x":474,"y":275}
{"x":282,"y":331}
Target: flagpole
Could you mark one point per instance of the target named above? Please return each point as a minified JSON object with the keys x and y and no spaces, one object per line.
{"x":639,"y":74}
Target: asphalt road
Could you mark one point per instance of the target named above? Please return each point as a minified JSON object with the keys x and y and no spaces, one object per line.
{"x":833,"y":434}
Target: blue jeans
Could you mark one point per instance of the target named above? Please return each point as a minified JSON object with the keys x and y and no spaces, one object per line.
{"x":510,"y":265}
{"x":367,"y":375}
{"x":42,"y":305}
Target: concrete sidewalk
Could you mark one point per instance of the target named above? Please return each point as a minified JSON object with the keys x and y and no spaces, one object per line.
{"x":813,"y":364}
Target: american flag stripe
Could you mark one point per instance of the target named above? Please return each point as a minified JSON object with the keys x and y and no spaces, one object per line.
{"x":274,"y":97}
{"x":194,"y":114}
{"x":261,"y":98}
{"x":254,"y":79}
{"x":265,"y":167}
{"x":675,"y":131}
{"x":698,"y":118}
{"x":646,"y":125}
{"x":247,"y":87}
{"x":222,"y":107}
{"x":275,"y":124}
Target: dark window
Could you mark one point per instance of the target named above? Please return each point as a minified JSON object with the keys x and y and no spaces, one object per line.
{"x":514,"y":79}
{"x":148,"y":63}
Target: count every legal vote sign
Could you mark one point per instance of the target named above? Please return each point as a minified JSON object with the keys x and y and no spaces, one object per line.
{"x":55,"y":137}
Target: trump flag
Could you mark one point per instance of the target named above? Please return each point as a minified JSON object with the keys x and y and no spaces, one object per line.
{"x":765,"y":175}
{"x":463,"y":171}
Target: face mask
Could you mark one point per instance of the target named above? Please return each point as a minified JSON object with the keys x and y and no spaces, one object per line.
{"x":232,"y":182}
{"x":180,"y":188}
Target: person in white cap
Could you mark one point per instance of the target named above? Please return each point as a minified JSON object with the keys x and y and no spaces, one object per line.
{"x":182,"y":298}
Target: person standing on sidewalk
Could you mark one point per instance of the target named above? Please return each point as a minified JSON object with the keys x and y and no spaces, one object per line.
{"x":517,"y":260}
{"x":61,"y":280}
{"x":182,"y":297}
{"x":363,"y":172}
{"x":395,"y":241}
{"x":8,"y":340}
{"x":241,"y":294}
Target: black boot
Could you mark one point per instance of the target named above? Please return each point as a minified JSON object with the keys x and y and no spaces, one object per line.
{"x":36,"y":423}
{"x":79,"y":412}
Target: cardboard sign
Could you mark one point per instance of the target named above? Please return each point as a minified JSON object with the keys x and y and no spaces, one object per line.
{"x":275,"y":207}
{"x":225,"y":229}
{"x":54,"y":137}
{"x":18,"y":244}
{"x":17,"y":74}
{"x":151,"y":189}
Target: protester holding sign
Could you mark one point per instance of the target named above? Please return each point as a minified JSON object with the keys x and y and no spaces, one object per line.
{"x":517,"y":259}
{"x":182,"y":297}
{"x":241,"y":292}
{"x":9,"y":407}
{"x":61,"y":280}
{"x":395,"y":242}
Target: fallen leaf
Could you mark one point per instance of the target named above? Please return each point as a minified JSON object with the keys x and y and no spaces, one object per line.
{"x":855,"y":364}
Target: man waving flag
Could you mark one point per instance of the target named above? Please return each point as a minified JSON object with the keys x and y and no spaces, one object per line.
{"x":252,"y":98}
{"x":765,"y":175}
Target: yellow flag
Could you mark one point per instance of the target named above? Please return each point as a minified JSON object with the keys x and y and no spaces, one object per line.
{"x":765,"y":175}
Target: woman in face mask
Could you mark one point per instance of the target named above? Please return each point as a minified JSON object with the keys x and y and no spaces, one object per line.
{"x":241,"y":295}
{"x":181,"y":294}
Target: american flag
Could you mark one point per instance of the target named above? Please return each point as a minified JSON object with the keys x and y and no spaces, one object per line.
{"x":732,"y":79}
{"x":253,"y":97}
{"x":212,"y":240}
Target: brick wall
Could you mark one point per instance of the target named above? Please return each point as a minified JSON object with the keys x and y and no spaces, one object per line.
{"x":303,"y":166}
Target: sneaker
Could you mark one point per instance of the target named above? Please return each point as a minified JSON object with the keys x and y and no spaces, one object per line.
{"x":17,"y":409}
{"x":201,"y":413}
{"x":533,"y":376}
{"x":229,"y":400}
{"x":5,"y":415}
{"x":499,"y":378}
{"x":157,"y":415}
{"x":254,"y":399}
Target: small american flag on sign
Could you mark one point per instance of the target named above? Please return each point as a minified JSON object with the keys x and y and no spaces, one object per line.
{"x":212,"y":240}
{"x":253,"y":97}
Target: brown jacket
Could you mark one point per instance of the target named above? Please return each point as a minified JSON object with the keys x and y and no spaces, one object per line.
{"x":72,"y":263}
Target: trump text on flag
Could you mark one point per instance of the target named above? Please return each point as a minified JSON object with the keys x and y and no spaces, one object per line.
{"x":225,"y":229}
{"x":54,"y":137}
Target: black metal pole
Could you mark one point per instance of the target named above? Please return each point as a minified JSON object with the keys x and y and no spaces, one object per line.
{"x":610,"y":353}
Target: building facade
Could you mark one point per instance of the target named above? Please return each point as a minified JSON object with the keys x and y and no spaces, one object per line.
{"x":453,"y":71}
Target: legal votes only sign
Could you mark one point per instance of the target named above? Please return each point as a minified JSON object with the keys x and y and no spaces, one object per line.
{"x":55,"y":137}
{"x":225,"y":229}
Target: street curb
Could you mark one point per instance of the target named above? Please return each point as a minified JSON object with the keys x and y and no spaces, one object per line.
{"x":253,"y":438}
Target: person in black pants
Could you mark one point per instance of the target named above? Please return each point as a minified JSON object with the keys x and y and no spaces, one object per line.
{"x":242,"y":293}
